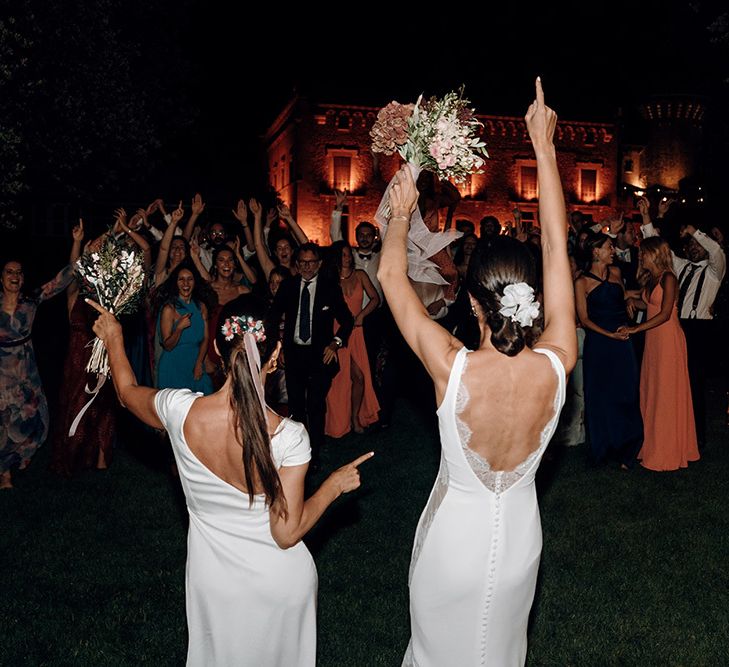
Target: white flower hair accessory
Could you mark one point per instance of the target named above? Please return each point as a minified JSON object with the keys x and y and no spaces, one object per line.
{"x":518,"y":303}
{"x":237,"y":326}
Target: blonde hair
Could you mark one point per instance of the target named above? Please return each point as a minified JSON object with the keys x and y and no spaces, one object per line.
{"x":659,"y":253}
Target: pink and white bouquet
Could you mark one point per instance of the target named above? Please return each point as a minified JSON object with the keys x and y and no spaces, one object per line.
{"x":438,"y":135}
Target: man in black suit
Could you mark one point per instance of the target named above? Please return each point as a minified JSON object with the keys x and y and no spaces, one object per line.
{"x":310,"y":303}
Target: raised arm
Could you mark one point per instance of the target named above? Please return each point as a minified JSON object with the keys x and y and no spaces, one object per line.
{"x":261,"y":252}
{"x":240,"y":213}
{"x":717,"y":258}
{"x":197,"y":207}
{"x":335,"y":228}
{"x":431,"y":342}
{"x":195,"y":257}
{"x":298,"y":233}
{"x":139,"y":400}
{"x":164,"y":245}
{"x":248,"y":271}
{"x":140,"y":241}
{"x":559,"y":301}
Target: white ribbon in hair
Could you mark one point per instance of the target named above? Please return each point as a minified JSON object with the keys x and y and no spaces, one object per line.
{"x":254,"y":365}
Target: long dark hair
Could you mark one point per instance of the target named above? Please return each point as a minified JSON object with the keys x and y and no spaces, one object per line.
{"x":214,"y":264}
{"x":185,"y":242}
{"x":493,"y":266}
{"x":594,"y":241}
{"x":168,"y":291}
{"x":333,"y":259}
{"x":251,"y":429}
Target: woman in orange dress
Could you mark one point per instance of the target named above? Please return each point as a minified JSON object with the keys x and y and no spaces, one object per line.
{"x":351,"y":401}
{"x":665,"y":393}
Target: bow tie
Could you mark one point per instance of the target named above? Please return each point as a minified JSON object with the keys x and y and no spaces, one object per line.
{"x":364,"y":256}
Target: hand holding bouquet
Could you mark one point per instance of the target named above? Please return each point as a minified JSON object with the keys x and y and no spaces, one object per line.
{"x":113,"y":276}
{"x":438,"y":135}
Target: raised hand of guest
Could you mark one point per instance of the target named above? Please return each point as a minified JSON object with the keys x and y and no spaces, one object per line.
{"x":240,"y":212}
{"x":644,"y":207}
{"x":177,"y":214}
{"x":663,"y":206}
{"x":340,"y":199}
{"x":77,"y":233}
{"x":197,"y":205}
{"x":255,"y":207}
{"x":616,"y":224}
{"x":284,"y":211}
{"x":120,"y":221}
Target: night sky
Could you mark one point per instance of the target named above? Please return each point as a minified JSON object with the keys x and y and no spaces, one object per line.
{"x":153,"y":98}
{"x":594,"y":58}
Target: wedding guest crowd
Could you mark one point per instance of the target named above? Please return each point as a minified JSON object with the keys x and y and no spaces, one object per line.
{"x":338,"y":369}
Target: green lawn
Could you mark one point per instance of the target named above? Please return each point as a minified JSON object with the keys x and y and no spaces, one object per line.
{"x":634,"y":571}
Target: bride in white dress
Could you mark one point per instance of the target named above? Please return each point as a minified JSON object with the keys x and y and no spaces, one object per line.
{"x":478,"y":543}
{"x":250,"y":582}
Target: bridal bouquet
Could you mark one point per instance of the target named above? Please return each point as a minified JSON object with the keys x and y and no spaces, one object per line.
{"x":114,"y":277}
{"x":438,"y":135}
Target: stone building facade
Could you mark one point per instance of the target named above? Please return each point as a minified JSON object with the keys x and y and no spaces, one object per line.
{"x":315,"y":148}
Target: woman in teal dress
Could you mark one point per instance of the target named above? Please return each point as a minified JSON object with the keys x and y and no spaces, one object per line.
{"x":23,"y":406}
{"x":183,"y":332}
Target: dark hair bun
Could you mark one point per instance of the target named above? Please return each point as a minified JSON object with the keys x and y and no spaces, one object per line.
{"x":499,"y":262}
{"x":507,"y":336}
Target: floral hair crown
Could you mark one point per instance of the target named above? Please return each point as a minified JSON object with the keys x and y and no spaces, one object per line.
{"x":517,"y":302}
{"x":237,"y":326}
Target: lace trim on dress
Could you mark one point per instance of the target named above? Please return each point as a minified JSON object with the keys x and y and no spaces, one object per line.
{"x":436,"y":498}
{"x":496,"y":481}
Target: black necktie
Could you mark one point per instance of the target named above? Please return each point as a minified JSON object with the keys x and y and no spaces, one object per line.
{"x":304,"y":313}
{"x":683,"y":287}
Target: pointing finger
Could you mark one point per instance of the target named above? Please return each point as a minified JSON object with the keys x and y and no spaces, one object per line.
{"x":540,"y":92}
{"x":96,"y":306}
{"x":358,"y":461}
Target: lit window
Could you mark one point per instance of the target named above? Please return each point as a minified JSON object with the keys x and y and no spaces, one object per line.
{"x":342,"y":172}
{"x":528,"y":182}
{"x":588,"y":185}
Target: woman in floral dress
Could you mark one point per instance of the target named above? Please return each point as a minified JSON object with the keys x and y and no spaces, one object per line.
{"x":23,"y":407}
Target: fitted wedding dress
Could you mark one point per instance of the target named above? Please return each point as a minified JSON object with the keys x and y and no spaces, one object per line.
{"x":477,"y":547}
{"x":248,"y":601}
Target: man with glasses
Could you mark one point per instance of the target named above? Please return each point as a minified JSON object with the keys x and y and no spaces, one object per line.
{"x":310,"y":304}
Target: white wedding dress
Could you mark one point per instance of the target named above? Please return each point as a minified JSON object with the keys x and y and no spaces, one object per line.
{"x":477,"y":547}
{"x":248,"y":601}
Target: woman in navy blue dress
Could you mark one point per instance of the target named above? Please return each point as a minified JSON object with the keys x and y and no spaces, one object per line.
{"x":611,"y":376}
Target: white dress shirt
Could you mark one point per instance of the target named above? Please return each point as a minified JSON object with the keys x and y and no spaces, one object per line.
{"x":712,"y":268}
